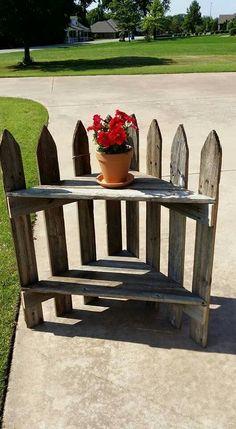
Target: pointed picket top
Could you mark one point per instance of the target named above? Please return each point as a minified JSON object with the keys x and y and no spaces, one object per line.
{"x":47,"y":158}
{"x":81,"y":155}
{"x":11,"y":162}
{"x":154,"y":149}
{"x":179,"y":159}
{"x":134,"y":135}
{"x":210,"y":167}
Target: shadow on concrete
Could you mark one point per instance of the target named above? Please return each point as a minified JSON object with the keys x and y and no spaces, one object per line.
{"x":139,"y":322}
{"x":95,"y":64}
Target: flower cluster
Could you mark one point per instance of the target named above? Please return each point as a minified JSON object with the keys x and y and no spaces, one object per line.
{"x":111,"y":134}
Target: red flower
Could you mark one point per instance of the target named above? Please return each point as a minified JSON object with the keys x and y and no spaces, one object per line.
{"x":118,"y":135}
{"x":97,"y":124}
{"x":114,"y":122}
{"x":112,"y":131}
{"x":103,"y":139}
{"x":129,"y":120}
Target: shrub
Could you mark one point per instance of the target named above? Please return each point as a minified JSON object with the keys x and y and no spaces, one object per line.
{"x":232,"y":31}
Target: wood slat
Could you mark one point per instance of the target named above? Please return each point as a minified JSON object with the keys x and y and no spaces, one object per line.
{"x":89,"y":287}
{"x":49,"y":173}
{"x":210,"y":169}
{"x":82,"y":166}
{"x":153,"y":210}
{"x":132,"y":207}
{"x":138,"y":191}
{"x":177,"y":222}
{"x":22,"y":206}
{"x":13,"y":179}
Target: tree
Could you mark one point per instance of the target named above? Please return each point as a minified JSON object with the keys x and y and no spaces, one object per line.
{"x":154,"y":21}
{"x":177,"y":24}
{"x":193,"y":17}
{"x":29,"y":22}
{"x":144,"y":5}
{"x":97,"y":14}
{"x":81,"y":9}
{"x":126,"y":14}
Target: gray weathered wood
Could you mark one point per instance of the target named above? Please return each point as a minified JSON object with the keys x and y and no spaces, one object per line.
{"x":153,"y":210}
{"x":115,"y":289}
{"x":13,"y":179}
{"x":49,"y":173}
{"x":143,"y":189}
{"x":82,"y":166}
{"x":23,"y":206}
{"x":132,"y":207}
{"x":210,"y":169}
{"x":177,"y":222}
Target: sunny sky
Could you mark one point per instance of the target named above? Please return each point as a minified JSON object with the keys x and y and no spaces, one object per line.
{"x":217,"y":7}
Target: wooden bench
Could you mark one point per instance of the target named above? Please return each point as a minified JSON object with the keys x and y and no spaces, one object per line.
{"x":124,"y":275}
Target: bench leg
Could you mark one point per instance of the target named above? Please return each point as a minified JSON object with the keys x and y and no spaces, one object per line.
{"x":63,"y":304}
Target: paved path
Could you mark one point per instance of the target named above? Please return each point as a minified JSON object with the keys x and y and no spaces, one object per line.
{"x":66,"y":45}
{"x":121,"y":365}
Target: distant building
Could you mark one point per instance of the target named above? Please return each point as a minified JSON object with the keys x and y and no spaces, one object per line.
{"x":105,"y":29}
{"x":76,"y":32}
{"x":223,"y":19}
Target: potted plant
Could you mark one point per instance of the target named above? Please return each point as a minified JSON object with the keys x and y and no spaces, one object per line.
{"x":113,"y":148}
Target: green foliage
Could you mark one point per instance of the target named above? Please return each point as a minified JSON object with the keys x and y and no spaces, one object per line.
{"x":193,"y":17}
{"x":231,"y":24}
{"x":24,"y":119}
{"x":30,"y":22}
{"x":126,"y":14}
{"x":81,"y":10}
{"x":232,"y":31}
{"x":144,"y":5}
{"x":154,"y":21}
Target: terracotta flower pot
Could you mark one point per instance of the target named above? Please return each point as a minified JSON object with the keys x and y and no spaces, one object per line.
{"x":115,"y":166}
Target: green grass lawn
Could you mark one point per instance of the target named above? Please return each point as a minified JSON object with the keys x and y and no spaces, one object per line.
{"x":24,"y":119}
{"x":183,"y":55}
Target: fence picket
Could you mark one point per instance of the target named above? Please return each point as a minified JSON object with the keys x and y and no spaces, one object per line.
{"x":14,"y":179}
{"x":81,"y":157}
{"x":177,"y":222}
{"x":49,"y":174}
{"x":153,"y":210}
{"x":132,"y":207}
{"x":210,"y":169}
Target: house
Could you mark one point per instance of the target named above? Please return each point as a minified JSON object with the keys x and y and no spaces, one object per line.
{"x":223,"y":19}
{"x":76,"y":32}
{"x":105,"y":29}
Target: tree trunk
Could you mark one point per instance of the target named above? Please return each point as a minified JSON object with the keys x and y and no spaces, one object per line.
{"x":27,"y":58}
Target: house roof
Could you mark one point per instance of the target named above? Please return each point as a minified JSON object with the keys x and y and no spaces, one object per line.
{"x":109,"y":26}
{"x":224,"y":18}
{"x":79,"y":27}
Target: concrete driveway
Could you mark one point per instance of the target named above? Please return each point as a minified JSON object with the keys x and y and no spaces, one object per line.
{"x":120,"y":365}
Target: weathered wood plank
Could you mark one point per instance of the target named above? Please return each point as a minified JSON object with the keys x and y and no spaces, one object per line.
{"x":210,"y":169}
{"x":82,"y":166}
{"x":134,"y":193}
{"x":88,"y":287}
{"x":177,"y":222}
{"x":132,"y":207}
{"x":13,"y":179}
{"x":49,"y":173}
{"x":153,"y":210}
{"x":23,"y":206}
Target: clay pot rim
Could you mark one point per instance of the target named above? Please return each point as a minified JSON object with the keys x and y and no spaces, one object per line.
{"x":119,"y":153}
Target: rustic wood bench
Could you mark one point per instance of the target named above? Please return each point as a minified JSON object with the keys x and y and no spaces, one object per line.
{"x":123,"y":276}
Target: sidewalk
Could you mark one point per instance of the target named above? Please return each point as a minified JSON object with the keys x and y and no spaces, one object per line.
{"x":121,"y":365}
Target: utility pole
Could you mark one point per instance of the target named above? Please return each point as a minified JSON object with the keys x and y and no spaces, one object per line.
{"x":210,"y":9}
